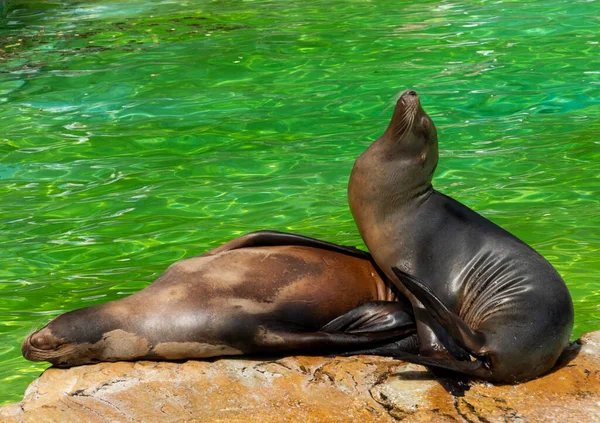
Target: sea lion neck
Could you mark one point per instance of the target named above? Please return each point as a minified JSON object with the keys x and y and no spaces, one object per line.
{"x":381,"y":183}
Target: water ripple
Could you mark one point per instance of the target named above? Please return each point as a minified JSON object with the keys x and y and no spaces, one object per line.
{"x":145,"y":132}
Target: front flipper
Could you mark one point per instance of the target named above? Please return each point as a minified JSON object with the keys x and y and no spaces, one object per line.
{"x":376,"y":316}
{"x":467,"y":338}
{"x":409,"y":344}
{"x":371,"y":324}
{"x":477,"y":368}
{"x":274,"y":238}
{"x":274,"y":341}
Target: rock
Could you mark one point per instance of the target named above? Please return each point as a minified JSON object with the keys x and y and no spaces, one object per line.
{"x":307,"y":389}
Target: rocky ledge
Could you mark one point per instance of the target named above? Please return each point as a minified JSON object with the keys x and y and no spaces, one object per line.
{"x":307,"y":389}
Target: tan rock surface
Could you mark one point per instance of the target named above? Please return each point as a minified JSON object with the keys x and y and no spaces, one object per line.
{"x":306,"y":389}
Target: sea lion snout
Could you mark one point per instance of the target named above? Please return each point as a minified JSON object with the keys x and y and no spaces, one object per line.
{"x":407,"y":107}
{"x":37,"y":345}
{"x":409,"y":97}
{"x":45,"y":340}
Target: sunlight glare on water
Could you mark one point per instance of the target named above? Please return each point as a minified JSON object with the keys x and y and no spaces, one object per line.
{"x":136,"y":133}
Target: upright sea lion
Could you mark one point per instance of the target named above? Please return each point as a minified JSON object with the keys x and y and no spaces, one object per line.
{"x":265,"y":292}
{"x":469,"y":280}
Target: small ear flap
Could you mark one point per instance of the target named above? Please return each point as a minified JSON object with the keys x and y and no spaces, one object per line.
{"x":470,"y":340}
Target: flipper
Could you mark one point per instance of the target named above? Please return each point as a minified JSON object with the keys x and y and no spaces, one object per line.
{"x":369,"y":325}
{"x":274,"y":238}
{"x":404,"y":349}
{"x":477,"y":368}
{"x":467,"y":338}
{"x":376,"y":316}
{"x":273,"y":340}
{"x":409,"y":344}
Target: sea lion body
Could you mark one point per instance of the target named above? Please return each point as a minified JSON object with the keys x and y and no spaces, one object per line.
{"x":237,"y":299}
{"x":472,"y":284}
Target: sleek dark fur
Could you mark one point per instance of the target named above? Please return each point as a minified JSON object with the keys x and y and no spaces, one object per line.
{"x":475,"y":288}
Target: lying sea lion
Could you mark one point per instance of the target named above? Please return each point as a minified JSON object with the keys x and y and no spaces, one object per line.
{"x":265,"y":292}
{"x":475,"y":288}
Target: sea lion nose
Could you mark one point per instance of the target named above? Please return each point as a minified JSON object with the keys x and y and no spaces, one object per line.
{"x":44,"y":340}
{"x":409,"y":97}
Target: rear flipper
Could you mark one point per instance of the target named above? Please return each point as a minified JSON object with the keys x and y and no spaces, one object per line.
{"x":467,"y":338}
{"x":376,"y":316}
{"x":274,"y":238}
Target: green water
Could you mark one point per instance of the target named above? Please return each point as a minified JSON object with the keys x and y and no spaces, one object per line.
{"x":137,"y":133}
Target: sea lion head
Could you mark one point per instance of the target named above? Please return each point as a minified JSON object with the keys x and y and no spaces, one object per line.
{"x":412,"y":136}
{"x":84,"y":336}
{"x":397,"y":168}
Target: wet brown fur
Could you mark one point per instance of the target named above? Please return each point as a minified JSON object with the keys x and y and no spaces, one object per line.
{"x":226,"y":301}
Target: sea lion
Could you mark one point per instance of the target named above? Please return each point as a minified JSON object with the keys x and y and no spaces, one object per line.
{"x":469,"y":280}
{"x":265,"y":292}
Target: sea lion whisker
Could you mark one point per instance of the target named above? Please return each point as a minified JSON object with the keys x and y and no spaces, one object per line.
{"x":405,"y":126}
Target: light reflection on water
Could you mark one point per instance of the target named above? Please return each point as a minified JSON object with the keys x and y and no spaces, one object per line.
{"x":138,"y":133}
